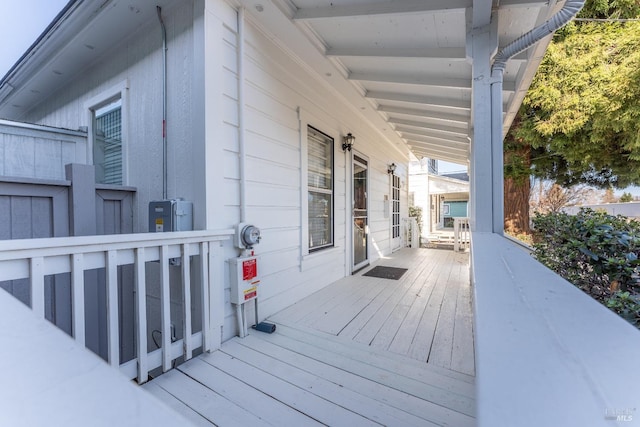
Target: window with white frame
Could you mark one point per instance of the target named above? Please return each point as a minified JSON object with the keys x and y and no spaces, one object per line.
{"x":107,"y":143}
{"x":320,"y":189}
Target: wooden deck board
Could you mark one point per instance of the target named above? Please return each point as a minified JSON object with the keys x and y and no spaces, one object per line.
{"x":362,"y":351}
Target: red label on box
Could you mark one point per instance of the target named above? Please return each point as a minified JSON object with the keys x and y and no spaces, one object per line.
{"x":250,"y":295}
{"x":249,"y":269}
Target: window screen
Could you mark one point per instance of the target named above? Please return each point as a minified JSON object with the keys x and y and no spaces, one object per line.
{"x":320,"y":187}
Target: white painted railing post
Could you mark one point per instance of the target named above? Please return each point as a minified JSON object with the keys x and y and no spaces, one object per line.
{"x":141,"y":315}
{"x":113,"y":338}
{"x":186,"y":301}
{"x":35,"y":259}
{"x":204,"y":291}
{"x":77,"y":296}
{"x":37,"y":285}
{"x":165,"y":309}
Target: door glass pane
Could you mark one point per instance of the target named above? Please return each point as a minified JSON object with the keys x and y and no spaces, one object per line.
{"x":359,"y":213}
{"x":107,"y":149}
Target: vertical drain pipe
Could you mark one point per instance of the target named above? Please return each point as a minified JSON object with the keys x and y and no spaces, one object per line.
{"x":560,"y":19}
{"x":164,"y":106}
{"x":241,"y":116}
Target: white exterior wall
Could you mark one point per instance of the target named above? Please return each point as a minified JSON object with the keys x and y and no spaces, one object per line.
{"x":282,"y":99}
{"x":419,"y":186}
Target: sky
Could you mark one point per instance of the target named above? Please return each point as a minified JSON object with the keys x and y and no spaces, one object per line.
{"x":21,"y":23}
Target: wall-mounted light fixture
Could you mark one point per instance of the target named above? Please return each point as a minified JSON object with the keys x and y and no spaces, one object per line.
{"x":391,"y":168}
{"x":348,"y":141}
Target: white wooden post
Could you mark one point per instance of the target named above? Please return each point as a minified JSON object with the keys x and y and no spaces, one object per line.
{"x":113,"y":341}
{"x":204,"y":283}
{"x":37,"y":285}
{"x":77,"y":295}
{"x":165,"y":309}
{"x":186,"y":302}
{"x":141,"y":315}
{"x":484,"y":42}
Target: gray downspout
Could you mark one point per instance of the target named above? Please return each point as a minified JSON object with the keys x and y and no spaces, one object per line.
{"x":564,"y":15}
{"x":164,"y":106}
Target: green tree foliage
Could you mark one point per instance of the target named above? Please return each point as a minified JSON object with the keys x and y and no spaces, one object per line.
{"x":596,"y":252}
{"x":581,"y":116}
{"x":626,"y":197}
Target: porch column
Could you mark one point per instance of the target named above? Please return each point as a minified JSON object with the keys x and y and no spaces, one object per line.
{"x":483,"y":43}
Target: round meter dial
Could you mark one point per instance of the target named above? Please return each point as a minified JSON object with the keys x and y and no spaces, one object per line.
{"x":250,"y":236}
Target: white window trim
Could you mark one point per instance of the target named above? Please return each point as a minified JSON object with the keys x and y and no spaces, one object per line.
{"x":119,"y":91}
{"x":305,"y":120}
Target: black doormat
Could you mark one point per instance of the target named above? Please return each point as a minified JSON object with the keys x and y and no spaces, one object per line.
{"x":386,"y":272}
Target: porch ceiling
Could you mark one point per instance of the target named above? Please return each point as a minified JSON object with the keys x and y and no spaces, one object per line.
{"x":406,"y":63}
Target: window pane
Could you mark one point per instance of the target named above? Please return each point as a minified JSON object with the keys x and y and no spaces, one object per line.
{"x":320,"y":150}
{"x":107,"y":149}
{"x":320,"y":185}
{"x":320,"y":213}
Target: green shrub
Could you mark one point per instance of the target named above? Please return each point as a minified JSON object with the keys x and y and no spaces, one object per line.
{"x":595,"y":251}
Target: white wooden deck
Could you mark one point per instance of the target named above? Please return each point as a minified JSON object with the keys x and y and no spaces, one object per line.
{"x":363,"y":351}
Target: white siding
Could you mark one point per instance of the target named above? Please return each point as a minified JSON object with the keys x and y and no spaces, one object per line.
{"x":281,"y":98}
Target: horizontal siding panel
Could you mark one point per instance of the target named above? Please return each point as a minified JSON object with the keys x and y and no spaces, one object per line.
{"x":230,"y":111}
{"x":275,"y":217}
{"x":267,"y":172}
{"x":259,"y":123}
{"x":230,"y":84}
{"x":272,"y":262}
{"x":259,"y":194}
{"x":275,"y":151}
{"x":231,"y":192}
{"x":278,"y":239}
{"x":260,"y":100}
{"x":229,"y":137}
{"x":231,"y":165}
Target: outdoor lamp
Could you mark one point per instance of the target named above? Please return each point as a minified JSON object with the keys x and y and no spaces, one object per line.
{"x":348,"y":141}
{"x":391,"y":168}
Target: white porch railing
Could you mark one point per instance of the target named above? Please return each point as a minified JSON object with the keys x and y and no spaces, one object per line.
{"x":411,"y":232}
{"x":33,"y":259}
{"x":461,"y":234}
{"x":547,"y":353}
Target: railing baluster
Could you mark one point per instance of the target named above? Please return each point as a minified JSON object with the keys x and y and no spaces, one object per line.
{"x":204,"y":283}
{"x":36,"y":271}
{"x":113,"y":340}
{"x":186,"y":296}
{"x":77,"y":292}
{"x":165,"y":310}
{"x":216,"y":295}
{"x":141,"y":316}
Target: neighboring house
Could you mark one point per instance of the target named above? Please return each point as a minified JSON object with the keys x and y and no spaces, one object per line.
{"x":247,"y":109}
{"x":442,"y":197}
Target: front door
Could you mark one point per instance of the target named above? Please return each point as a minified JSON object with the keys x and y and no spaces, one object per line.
{"x":360,"y":213}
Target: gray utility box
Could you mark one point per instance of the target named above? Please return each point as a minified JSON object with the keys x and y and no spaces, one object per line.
{"x":170,"y":215}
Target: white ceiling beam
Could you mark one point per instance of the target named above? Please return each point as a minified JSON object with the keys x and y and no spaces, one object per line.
{"x":428,"y":126}
{"x":449,"y":53}
{"x":435,"y":141}
{"x":507,"y":86}
{"x":419,"y":99}
{"x":439,"y":155}
{"x":432,"y":133}
{"x":412,"y":80}
{"x":387,"y":8}
{"x":443,"y":149}
{"x":435,"y":115}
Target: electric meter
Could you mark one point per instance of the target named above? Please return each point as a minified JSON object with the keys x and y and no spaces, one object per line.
{"x":248,"y":236}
